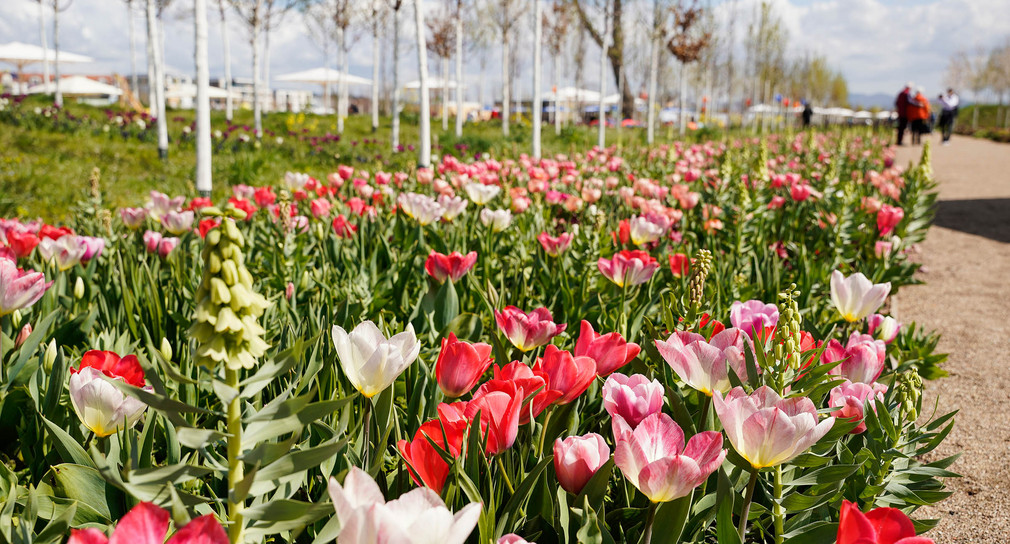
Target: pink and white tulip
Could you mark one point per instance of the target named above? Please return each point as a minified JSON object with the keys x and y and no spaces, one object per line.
{"x":19,"y":288}
{"x":577,"y":458}
{"x":851,"y":398}
{"x":530,"y":330}
{"x":654,"y":459}
{"x":855,"y":296}
{"x":65,"y":251}
{"x":628,"y":267}
{"x":555,"y":245}
{"x":101,"y":406}
{"x":631,"y":398}
{"x":753,"y":316}
{"x":883,"y":327}
{"x":766,"y":429}
{"x":863,"y":358}
{"x":704,"y":365}
{"x":178,"y":222}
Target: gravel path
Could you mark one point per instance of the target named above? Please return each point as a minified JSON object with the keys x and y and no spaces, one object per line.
{"x":966,"y":267}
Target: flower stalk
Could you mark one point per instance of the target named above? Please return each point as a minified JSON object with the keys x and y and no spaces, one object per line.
{"x":236,"y":468}
{"x":748,"y":498}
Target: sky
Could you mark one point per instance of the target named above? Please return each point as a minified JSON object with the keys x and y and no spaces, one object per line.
{"x":877,"y":44}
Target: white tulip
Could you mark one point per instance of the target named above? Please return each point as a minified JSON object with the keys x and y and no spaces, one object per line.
{"x":856,"y":296}
{"x":481,"y":194}
{"x":371,"y":361}
{"x":102,"y":407}
{"x":497,"y":220}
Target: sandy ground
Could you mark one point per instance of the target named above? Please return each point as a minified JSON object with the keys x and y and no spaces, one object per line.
{"x":966,"y":267}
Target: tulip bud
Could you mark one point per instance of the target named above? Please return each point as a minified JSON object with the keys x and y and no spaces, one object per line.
{"x":289,"y":291}
{"x":16,"y":318}
{"x":49,"y":359}
{"x":166,"y":349}
{"x":79,"y":288}
{"x":23,"y":335}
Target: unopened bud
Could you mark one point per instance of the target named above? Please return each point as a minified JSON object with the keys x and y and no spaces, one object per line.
{"x":289,"y":291}
{"x":16,"y":318}
{"x":49,"y":359}
{"x":79,"y":288}
{"x":166,"y":349}
{"x":23,"y":335}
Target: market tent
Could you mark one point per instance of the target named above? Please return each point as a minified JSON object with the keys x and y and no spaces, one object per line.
{"x":571,"y":94}
{"x":22,"y":54}
{"x":323,"y":76}
{"x":188,"y":90}
{"x":433,"y":83}
{"x":77,"y":86}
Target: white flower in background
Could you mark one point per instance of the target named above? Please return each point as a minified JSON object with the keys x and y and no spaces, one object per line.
{"x":295,"y":180}
{"x":422,"y":208}
{"x":452,"y":206}
{"x":496,"y":220}
{"x":481,"y":194}
{"x":856,"y":296}
{"x":644,"y":231}
{"x":178,"y":222}
{"x":370,"y":360}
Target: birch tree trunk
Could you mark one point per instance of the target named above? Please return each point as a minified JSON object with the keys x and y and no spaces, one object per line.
{"x":653,"y":75}
{"x":45,"y":47}
{"x":680,"y":101}
{"x":537,"y":102}
{"x":326,"y":66}
{"x":375,"y":68}
{"x":424,"y":149}
{"x":133,"y":47}
{"x":459,"y":69}
{"x":203,"y":155}
{"x":157,"y":81}
{"x":229,"y":104}
{"x":395,"y":136}
{"x":601,"y":136}
{"x":152,"y":94}
{"x":342,"y":73}
{"x":556,"y":85}
{"x":445,"y":94}
{"x":56,"y":49}
{"x":159,"y":92}
{"x":257,"y":53}
{"x":506,"y":84}
{"x":343,"y":78}
{"x":266,"y":64}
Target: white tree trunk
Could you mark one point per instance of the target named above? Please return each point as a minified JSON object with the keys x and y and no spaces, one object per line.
{"x":152,"y":96}
{"x":159,"y":73}
{"x":133,"y":48}
{"x":445,"y":94}
{"x":460,"y":116}
{"x":424,"y":149}
{"x":537,"y":101}
{"x":157,"y":83}
{"x":375,"y":67}
{"x":680,"y":101}
{"x":342,"y":73}
{"x":266,"y":66}
{"x":395,"y":136}
{"x":344,"y":98}
{"x":45,"y":48}
{"x":506,"y":76}
{"x":229,"y":104}
{"x":653,"y":76}
{"x":56,"y":50}
{"x":326,"y":64}
{"x":601,"y":136}
{"x":256,"y":50}
{"x":556,"y":86}
{"x":203,"y":156}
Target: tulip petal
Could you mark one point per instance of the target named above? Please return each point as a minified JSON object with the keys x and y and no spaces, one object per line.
{"x":145,"y":523}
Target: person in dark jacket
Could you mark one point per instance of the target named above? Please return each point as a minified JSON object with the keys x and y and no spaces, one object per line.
{"x":901,"y":107}
{"x":808,"y":113}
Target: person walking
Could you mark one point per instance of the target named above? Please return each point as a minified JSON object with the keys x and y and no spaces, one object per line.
{"x":918,"y":115}
{"x":948,"y":115}
{"x":808,"y":113}
{"x":901,"y":107}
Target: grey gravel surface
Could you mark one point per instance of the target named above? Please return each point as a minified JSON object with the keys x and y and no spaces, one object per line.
{"x":966,"y":267}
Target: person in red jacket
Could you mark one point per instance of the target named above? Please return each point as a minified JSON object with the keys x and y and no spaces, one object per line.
{"x":918,"y":115}
{"x":901,"y":107}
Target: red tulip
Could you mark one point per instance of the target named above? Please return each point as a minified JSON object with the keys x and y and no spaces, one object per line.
{"x":517,"y":374}
{"x":342,"y":227}
{"x":577,"y":458}
{"x":460,"y":365}
{"x":530,"y":330}
{"x":264,"y":196}
{"x":566,"y":373}
{"x":147,"y":523}
{"x":800,"y":192}
{"x":452,"y":266}
{"x":109,"y":363}
{"x":499,"y":417}
{"x":680,"y":264}
{"x":878,"y":526}
{"x":622,"y":234}
{"x":49,"y":231}
{"x":207,"y":225}
{"x":199,"y":203}
{"x":888,"y":218}
{"x":22,"y":242}
{"x":610,"y":351}
{"x":424,"y":462}
{"x":320,"y":208}
{"x":555,"y":245}
{"x":243,"y":204}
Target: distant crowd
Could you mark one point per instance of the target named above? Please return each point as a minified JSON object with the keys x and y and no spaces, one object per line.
{"x":915,"y":114}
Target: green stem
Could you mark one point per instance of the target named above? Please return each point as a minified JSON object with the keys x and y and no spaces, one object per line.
{"x":236,"y":469}
{"x":703,"y":420}
{"x":747,"y":499}
{"x":3,"y":369}
{"x":547,"y":420}
{"x":647,"y":535}
{"x":505,"y":475}
{"x":622,"y":318}
{"x":777,"y":511}
{"x":368,"y":429}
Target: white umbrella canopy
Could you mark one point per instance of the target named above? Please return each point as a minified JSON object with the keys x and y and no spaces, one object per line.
{"x":22,"y":54}
{"x":188,"y":90}
{"x":77,"y":86}
{"x":433,"y":83}
{"x":323,"y":76}
{"x":572,"y":94}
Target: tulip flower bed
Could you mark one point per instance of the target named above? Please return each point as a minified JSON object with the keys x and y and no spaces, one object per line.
{"x":681,"y":344}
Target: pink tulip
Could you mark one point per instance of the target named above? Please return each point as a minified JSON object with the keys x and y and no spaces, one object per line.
{"x":66,"y":251}
{"x":147,"y":523}
{"x":800,"y":192}
{"x":530,"y":330}
{"x":93,"y":247}
{"x":884,"y":327}
{"x":101,"y":406}
{"x":345,"y":172}
{"x":568,"y":374}
{"x":133,"y":218}
{"x":513,"y":538}
{"x":653,"y":458}
{"x":863,"y":358}
{"x":776,"y":202}
{"x":555,"y":245}
{"x":151,"y":241}
{"x":702,"y":365}
{"x":753,"y":316}
{"x":577,"y":458}
{"x":161,"y":204}
{"x":167,"y":245}
{"x":178,"y":222}
{"x":22,"y":337}
{"x":852,"y":397}
{"x":632,"y":398}
{"x":610,"y":351}
{"x":320,"y":208}
{"x":766,"y":429}
{"x":452,"y":266}
{"x":460,"y":365}
{"x":19,"y":288}
{"x":628,"y":267}
{"x":888,"y":218}
{"x":882,"y":249}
